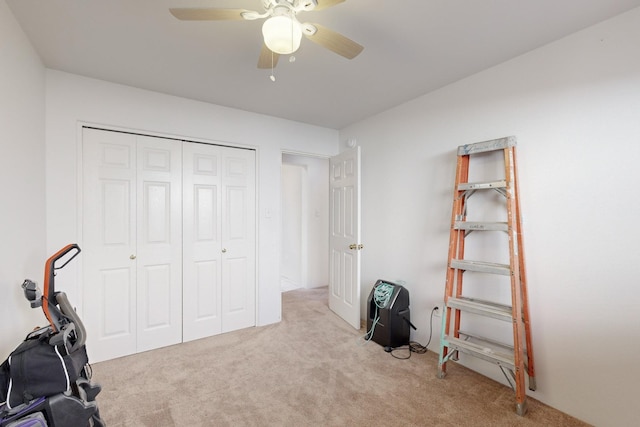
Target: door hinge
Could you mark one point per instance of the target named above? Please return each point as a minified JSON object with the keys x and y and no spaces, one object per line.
{"x":356,"y":247}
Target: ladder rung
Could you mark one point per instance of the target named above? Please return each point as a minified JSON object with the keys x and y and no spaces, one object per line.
{"x":482,"y":185}
{"x":480,"y":349}
{"x":507,"y":347}
{"x":484,"y":146}
{"x":480,"y":226}
{"x":481,"y":266}
{"x":484,"y":308}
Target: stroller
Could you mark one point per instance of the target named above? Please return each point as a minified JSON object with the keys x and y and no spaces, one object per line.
{"x":46,"y":381}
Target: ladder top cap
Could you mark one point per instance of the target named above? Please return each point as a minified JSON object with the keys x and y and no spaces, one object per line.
{"x":484,"y":146}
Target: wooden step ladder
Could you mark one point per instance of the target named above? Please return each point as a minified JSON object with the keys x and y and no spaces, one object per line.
{"x":517,"y":356}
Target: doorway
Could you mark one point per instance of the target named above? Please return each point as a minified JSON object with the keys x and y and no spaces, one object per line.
{"x":305,"y":222}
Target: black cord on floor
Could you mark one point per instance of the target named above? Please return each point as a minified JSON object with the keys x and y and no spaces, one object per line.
{"x":433,"y":310}
{"x":415,"y":347}
{"x":412,"y":347}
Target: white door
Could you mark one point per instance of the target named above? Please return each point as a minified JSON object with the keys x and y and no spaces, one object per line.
{"x":238,"y":239}
{"x":202,"y":272}
{"x":344,"y":236}
{"x":159,"y":242}
{"x":219,"y":240}
{"x":132,"y":237}
{"x":109,"y":239}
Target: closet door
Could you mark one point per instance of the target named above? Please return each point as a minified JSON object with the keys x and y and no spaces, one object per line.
{"x":202,"y":271}
{"x":109,"y":240}
{"x":219,"y":240}
{"x":238,"y":239}
{"x":132,"y":242}
{"x":159,"y":242}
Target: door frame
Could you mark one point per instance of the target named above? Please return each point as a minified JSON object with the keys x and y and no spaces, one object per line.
{"x":326,"y":158}
{"x":328,"y":231}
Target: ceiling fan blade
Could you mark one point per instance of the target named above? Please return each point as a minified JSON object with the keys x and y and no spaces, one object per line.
{"x":266,"y":58}
{"x":331,"y":40}
{"x":323,"y":4}
{"x":207,"y":14}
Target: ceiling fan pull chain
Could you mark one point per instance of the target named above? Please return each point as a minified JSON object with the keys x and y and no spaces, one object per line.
{"x":272,"y":76}
{"x":292,"y":58}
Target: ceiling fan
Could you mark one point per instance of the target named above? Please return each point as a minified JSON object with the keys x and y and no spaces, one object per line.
{"x":281,"y":30}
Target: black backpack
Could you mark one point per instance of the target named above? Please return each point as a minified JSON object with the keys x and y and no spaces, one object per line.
{"x":39,"y":369}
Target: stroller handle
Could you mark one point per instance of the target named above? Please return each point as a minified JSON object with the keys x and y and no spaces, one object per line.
{"x":78,"y":329}
{"x":65,"y":254}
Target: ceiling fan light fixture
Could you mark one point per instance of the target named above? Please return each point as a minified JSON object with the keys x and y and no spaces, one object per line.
{"x":282,"y":34}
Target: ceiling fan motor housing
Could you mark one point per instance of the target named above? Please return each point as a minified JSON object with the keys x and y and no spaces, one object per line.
{"x":293,"y":5}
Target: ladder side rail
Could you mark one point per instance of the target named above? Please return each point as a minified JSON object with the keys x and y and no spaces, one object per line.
{"x":461,"y":214}
{"x":460,"y":255}
{"x":523,"y":279}
{"x":516,"y":289}
{"x":462,"y":167}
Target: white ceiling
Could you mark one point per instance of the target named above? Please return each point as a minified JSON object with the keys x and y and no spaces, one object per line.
{"x":411,"y":47}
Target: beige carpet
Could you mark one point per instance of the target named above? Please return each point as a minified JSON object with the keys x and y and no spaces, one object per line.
{"x":311,"y":369}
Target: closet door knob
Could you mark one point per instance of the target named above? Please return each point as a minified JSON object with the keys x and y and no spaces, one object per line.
{"x":224,"y":250}
{"x":132,"y":256}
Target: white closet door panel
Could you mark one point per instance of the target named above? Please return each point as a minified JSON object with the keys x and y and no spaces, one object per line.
{"x":158,"y":296}
{"x":234,"y":288}
{"x":109,"y":238}
{"x":202,"y":241}
{"x":207,"y":288}
{"x":238,"y":239}
{"x":114,"y":292}
{"x":159,"y":237}
{"x":206,"y":213}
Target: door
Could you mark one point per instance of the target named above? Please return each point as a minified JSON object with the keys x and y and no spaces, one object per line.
{"x":344,"y":236}
{"x":132,"y":269}
{"x":159,"y":242}
{"x":202,"y":271}
{"x":219,"y":240}
{"x":109,"y":239}
{"x":238,"y":239}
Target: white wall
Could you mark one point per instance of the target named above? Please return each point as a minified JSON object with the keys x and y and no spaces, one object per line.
{"x":574,"y":106}
{"x":72,"y":100}
{"x":293,"y":242}
{"x":22,"y":163}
